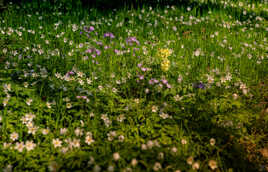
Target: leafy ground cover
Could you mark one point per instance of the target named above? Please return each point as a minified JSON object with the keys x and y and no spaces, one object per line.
{"x":173,"y":88}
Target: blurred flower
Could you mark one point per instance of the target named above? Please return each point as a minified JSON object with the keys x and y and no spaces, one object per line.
{"x":75,"y":143}
{"x":78,"y":132}
{"x":91,"y":114}
{"x":29,"y":101}
{"x":134,"y":162}
{"x":4,"y":50}
{"x":89,"y":140}
{"x":242,"y":86}
{"x":68,"y":105}
{"x":7,"y":87}
{"x":14,"y":136}
{"x":109,"y":34}
{"x":30,"y":145}
{"x":6,"y":145}
{"x":32,"y":130}
{"x":157,"y":166}
{"x":132,"y":40}
{"x":165,"y":65}
{"x":190,"y":160}
{"x":19,"y":146}
{"x":143,"y":147}
{"x":150,"y":144}
{"x":212,"y":141}
{"x":121,"y":138}
{"x":174,"y":149}
{"x":56,"y":142}
{"x":74,"y":27}
{"x":8,"y":168}
{"x":64,"y":150}
{"x":164,"y":53}
{"x":199,"y":85}
{"x":212,"y":164}
{"x":210,"y":79}
{"x":121,"y":118}
{"x":196,"y":166}
{"x":164,"y":115}
{"x":197,"y":52}
{"x":48,"y":105}
{"x":235,"y":96}
{"x":63,"y":131}
{"x":245,"y":91}
{"x":154,"y":108}
{"x":116,"y":156}
{"x":264,"y":152}
{"x":178,"y":98}
{"x":183,"y":141}
{"x":89,"y":29}
{"x":45,"y":131}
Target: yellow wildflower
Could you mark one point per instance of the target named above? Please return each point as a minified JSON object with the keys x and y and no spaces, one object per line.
{"x":165,"y":65}
{"x":164,"y":53}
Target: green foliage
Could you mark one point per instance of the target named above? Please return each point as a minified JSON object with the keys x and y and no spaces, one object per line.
{"x":85,"y":90}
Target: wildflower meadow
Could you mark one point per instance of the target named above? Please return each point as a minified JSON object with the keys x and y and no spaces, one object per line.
{"x":176,"y":86}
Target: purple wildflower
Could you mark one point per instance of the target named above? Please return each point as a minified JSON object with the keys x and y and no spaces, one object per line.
{"x":99,"y":43}
{"x":117,"y":51}
{"x":168,"y":85}
{"x":131,"y":40}
{"x":164,"y":81}
{"x":109,"y":34}
{"x":141,"y":77}
{"x":98,"y":52}
{"x":199,"y":85}
{"x":136,"y":49}
{"x":144,"y":69}
{"x":156,"y":81}
{"x":106,"y":35}
{"x":89,"y":50}
{"x":106,"y":47}
{"x":112,"y":35}
{"x":91,"y":28}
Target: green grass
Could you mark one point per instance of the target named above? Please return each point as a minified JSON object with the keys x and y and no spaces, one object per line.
{"x":114,"y":93}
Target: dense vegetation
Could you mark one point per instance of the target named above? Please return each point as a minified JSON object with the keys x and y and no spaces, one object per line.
{"x":173,"y":87}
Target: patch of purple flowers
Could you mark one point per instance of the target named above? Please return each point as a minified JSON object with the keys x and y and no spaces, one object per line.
{"x":109,"y":34}
{"x":132,"y":40}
